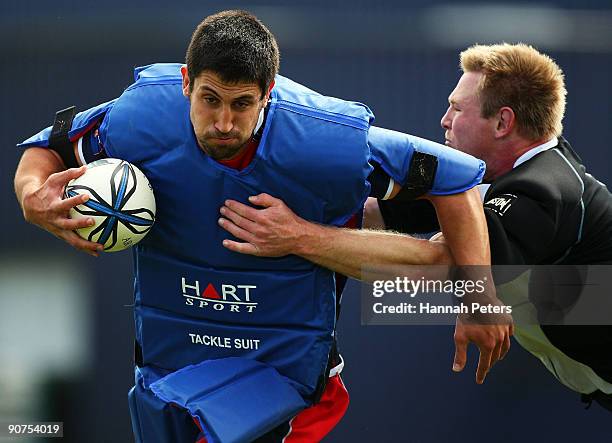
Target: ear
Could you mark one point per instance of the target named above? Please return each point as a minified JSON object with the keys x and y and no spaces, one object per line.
{"x":505,"y":122}
{"x":267,"y":97}
{"x":186,"y":91}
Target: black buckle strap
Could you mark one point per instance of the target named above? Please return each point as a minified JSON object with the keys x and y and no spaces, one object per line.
{"x":59,"y":140}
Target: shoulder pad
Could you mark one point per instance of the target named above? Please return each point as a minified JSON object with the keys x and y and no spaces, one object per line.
{"x":394,"y":151}
{"x":81,"y":123}
{"x":157,"y":71}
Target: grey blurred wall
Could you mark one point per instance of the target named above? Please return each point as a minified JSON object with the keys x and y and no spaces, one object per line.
{"x":398,"y":57}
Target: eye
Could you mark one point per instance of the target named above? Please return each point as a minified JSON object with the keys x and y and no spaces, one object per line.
{"x":453,"y":107}
{"x":242,"y":105}
{"x":210,"y":99}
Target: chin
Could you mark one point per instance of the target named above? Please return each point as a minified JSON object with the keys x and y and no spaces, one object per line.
{"x":221,"y":152}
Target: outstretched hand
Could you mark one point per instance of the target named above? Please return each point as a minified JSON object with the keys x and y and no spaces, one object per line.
{"x":46,"y":207}
{"x":272,"y":231}
{"x":492,"y":340}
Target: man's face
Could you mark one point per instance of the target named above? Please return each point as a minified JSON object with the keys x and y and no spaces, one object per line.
{"x":223,"y":115}
{"x":465,"y":129}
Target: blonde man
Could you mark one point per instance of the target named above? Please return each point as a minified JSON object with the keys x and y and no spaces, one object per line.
{"x":542,"y":207}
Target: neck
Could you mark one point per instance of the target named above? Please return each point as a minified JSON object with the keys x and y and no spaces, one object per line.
{"x":528,"y":145}
{"x":509,"y":151}
{"x":244,"y":158}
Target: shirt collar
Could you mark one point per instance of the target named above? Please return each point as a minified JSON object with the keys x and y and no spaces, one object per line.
{"x":260,"y":121}
{"x":484,"y":187}
{"x":535,"y":151}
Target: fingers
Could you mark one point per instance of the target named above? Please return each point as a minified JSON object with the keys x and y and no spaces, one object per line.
{"x":47,"y":208}
{"x":484,"y":361}
{"x":461,"y":344}
{"x":241,"y":209}
{"x":81,"y":244}
{"x":250,"y":213}
{"x":502,"y":345}
{"x":505,"y":346}
{"x":69,"y":203}
{"x":243,"y":248}
{"x":63,"y":177}
{"x":484,"y":364}
{"x":496,"y":353}
{"x":70,"y":224}
{"x":235,"y":230}
{"x":265,"y":200}
{"x":493,"y":342}
{"x":238,"y":219}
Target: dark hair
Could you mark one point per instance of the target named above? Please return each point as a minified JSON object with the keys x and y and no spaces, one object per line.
{"x":236,"y":46}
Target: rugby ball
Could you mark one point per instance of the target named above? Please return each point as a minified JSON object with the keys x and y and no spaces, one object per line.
{"x":121,"y":202}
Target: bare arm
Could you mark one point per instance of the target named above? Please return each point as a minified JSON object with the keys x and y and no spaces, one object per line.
{"x":276,"y":231}
{"x":40,"y":180}
{"x":465,"y":231}
{"x":464,"y":226}
{"x":35,"y":166}
{"x":351,"y":252}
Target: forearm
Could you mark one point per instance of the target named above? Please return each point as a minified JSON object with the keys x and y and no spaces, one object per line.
{"x":350,"y":251}
{"x":464,"y":226}
{"x":275,"y":231}
{"x":35,"y":166}
{"x":465,"y":231}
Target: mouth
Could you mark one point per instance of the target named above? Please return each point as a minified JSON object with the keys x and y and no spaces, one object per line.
{"x":223,"y":140}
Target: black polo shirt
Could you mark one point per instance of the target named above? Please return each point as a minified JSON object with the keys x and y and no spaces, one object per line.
{"x":547,"y":210}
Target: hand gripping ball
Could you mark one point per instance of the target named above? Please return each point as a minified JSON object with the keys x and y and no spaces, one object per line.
{"x":121,"y":202}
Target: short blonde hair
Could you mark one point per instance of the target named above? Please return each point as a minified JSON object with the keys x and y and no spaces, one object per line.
{"x":520,"y":77}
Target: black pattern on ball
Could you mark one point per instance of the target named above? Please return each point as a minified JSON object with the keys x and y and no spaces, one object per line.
{"x":133,"y":219}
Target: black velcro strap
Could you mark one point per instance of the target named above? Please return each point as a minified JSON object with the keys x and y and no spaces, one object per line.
{"x":59,"y":140}
{"x":333,"y":360}
{"x":421,"y":175}
{"x":138,"y":360}
{"x":379,"y":181}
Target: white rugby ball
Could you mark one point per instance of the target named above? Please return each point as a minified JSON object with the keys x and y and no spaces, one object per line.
{"x":121,"y":202}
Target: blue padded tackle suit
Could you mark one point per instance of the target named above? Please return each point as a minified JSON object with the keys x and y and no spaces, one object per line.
{"x":241,"y":342}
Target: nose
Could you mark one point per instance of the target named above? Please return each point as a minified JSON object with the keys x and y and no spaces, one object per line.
{"x":224,"y":122}
{"x":445,"y":122}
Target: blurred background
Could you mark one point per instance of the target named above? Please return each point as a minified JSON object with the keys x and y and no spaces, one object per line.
{"x":65,"y":318}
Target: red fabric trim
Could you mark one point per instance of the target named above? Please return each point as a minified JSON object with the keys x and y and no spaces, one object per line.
{"x":202,"y":439}
{"x":353,"y":222}
{"x":243,"y":159}
{"x":314,"y":423}
{"x":84,"y":131}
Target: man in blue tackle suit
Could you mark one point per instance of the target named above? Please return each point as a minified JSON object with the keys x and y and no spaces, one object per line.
{"x":212,"y":339}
